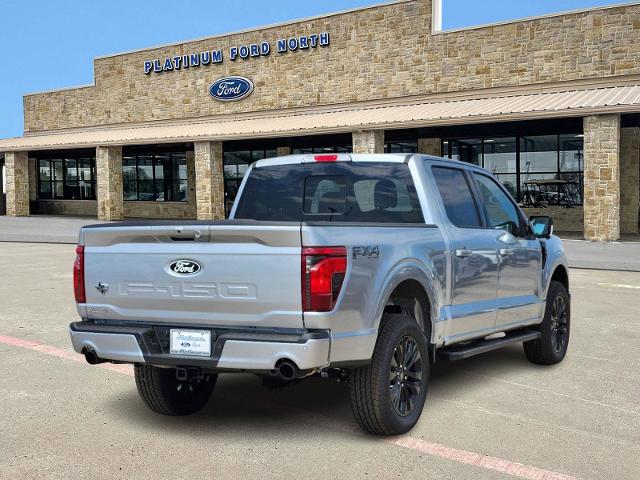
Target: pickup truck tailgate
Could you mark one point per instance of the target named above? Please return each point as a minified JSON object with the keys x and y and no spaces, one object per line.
{"x":223,"y":273}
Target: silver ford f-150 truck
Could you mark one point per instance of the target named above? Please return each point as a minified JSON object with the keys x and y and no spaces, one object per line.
{"x":362,"y":267}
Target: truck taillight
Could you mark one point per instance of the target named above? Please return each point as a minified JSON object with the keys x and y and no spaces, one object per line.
{"x":323,"y":271}
{"x":78,"y":275}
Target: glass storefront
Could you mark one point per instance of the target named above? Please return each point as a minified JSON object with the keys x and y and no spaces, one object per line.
{"x":236,"y":163}
{"x":155,"y":177}
{"x":409,"y":146}
{"x":66,"y":176}
{"x":331,"y":149}
{"x":538,"y":170}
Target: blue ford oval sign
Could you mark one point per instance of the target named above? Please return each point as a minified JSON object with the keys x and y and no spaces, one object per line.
{"x":229,"y":89}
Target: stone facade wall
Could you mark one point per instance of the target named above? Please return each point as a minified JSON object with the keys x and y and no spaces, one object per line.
{"x":375,"y":53}
{"x":109,"y":183}
{"x":283,"y":151}
{"x":160,"y":210}
{"x":629,"y":179}
{"x":602,"y":177}
{"x":81,"y":208}
{"x":209,"y":181}
{"x":17,"y":173}
{"x":564,"y":219}
{"x":368,"y":141}
{"x":430,"y":146}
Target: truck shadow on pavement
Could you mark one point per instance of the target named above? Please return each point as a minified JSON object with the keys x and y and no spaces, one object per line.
{"x":241,"y":406}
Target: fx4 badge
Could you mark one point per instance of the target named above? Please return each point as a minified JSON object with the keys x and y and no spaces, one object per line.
{"x":102,"y":288}
{"x":367,"y":251}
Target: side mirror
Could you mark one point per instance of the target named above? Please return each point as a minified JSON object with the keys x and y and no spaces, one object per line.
{"x":542,"y":226}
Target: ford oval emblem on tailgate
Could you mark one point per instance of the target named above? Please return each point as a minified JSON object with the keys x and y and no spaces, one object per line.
{"x":185,"y":267}
{"x":228,"y":89}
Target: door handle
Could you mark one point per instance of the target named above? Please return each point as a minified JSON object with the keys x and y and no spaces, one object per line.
{"x":504,"y":252}
{"x":464,"y":253}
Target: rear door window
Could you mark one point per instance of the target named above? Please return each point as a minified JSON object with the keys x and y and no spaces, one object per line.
{"x":335,"y":192}
{"x":457,"y":198}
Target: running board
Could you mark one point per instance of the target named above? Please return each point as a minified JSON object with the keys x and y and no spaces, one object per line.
{"x":466,"y":350}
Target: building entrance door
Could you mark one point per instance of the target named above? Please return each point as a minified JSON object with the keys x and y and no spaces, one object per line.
{"x":3,"y":187}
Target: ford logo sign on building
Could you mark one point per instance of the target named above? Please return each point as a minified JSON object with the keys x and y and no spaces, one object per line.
{"x":185,"y":267}
{"x":230,"y":89}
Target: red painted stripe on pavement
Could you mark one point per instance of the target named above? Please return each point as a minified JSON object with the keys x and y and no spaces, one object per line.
{"x":478,"y":460}
{"x":61,"y":353}
{"x":435,"y":449}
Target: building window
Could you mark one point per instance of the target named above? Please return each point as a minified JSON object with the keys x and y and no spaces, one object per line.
{"x":401,"y":147}
{"x":537,"y":170}
{"x":329,"y":149}
{"x":236,"y":163}
{"x":155,"y":177}
{"x":66,"y":178}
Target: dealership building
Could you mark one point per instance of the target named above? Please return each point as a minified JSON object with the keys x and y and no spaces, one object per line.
{"x":550,"y":105}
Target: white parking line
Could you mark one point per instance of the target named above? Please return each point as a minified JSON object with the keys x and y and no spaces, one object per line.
{"x":619,"y":285}
{"x":423,"y":446}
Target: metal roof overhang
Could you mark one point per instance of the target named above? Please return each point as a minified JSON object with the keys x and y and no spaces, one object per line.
{"x":567,"y":103}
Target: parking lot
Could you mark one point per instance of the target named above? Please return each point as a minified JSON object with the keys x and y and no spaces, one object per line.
{"x":493,"y":416}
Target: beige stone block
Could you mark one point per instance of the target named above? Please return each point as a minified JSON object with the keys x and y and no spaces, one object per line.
{"x":430,"y":146}
{"x":17,"y":183}
{"x":601,"y":182}
{"x":209,"y":175}
{"x":109,"y":183}
{"x":368,"y":141}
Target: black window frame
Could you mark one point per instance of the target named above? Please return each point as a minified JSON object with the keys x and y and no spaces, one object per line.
{"x":62,"y":158}
{"x":169,"y":182}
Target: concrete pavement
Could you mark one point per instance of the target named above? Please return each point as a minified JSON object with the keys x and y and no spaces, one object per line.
{"x":64,"y":419}
{"x":43,"y":228}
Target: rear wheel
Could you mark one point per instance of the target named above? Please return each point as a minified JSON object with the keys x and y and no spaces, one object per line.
{"x":388,"y":395}
{"x":165,"y":394}
{"x":551,"y":347}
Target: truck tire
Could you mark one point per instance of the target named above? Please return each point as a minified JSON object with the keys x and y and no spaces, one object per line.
{"x":165,"y":394}
{"x":551,"y":347}
{"x":387,"y":396}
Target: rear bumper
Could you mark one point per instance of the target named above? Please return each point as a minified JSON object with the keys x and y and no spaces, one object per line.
{"x":241,"y":349}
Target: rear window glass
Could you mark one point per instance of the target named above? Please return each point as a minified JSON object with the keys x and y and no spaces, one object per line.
{"x":335,"y":192}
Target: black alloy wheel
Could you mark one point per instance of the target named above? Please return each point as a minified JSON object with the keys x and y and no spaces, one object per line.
{"x":559,"y":324}
{"x":555,"y":329}
{"x":405,"y":380}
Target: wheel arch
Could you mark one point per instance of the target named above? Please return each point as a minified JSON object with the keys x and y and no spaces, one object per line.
{"x":560,"y":274}
{"x":411,"y":290}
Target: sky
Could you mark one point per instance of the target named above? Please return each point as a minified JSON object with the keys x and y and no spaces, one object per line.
{"x":47,"y":44}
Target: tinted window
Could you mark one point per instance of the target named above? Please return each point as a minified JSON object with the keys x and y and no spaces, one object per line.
{"x":501,"y":212}
{"x":457,"y":197}
{"x":337,"y":192}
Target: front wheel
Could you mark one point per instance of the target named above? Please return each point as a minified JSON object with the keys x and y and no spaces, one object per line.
{"x":388,"y":395}
{"x":551,"y":347}
{"x":165,"y":394}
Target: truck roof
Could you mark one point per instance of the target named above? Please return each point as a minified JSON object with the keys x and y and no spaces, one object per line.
{"x":346,"y":157}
